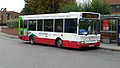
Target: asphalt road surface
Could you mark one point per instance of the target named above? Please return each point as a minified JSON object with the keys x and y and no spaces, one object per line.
{"x":15,"y":53}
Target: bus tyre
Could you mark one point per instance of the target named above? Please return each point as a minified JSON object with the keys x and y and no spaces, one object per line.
{"x":32,"y":40}
{"x":59,"y":43}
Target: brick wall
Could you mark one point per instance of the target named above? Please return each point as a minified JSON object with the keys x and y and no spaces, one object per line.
{"x":114,"y":1}
{"x":115,"y":4}
{"x":115,"y":12}
{"x":13,"y":31}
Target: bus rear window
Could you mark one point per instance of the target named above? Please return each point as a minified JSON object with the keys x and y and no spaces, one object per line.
{"x":21,"y":24}
{"x":25,"y":24}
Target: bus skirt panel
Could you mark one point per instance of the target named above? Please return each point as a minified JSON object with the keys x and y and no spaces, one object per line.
{"x":25,"y":38}
{"x":74,"y":44}
{"x":70,"y":44}
{"x":44,"y":41}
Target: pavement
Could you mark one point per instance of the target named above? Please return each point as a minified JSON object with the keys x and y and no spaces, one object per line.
{"x":8,"y":35}
{"x":106,"y":46}
{"x":110,"y":46}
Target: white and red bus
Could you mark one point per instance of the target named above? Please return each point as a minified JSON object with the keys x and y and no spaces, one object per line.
{"x":73,"y":29}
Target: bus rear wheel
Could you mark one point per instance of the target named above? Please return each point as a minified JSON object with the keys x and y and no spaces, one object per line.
{"x":59,"y":43}
{"x":32,"y":40}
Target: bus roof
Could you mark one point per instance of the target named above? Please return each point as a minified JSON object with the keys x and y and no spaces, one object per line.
{"x":58,"y":16}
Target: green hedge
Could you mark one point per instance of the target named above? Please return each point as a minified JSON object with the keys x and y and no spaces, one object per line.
{"x":12,"y":23}
{"x":3,"y":24}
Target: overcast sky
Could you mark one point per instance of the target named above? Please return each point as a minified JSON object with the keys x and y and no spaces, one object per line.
{"x":15,"y":5}
{"x":12,"y":5}
{"x":79,"y":0}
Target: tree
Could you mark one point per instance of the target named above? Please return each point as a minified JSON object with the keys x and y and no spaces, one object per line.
{"x":26,"y":10}
{"x":61,"y":4}
{"x":40,"y":6}
{"x":71,"y":7}
{"x":43,"y":6}
{"x":98,"y":6}
{"x":36,"y":7}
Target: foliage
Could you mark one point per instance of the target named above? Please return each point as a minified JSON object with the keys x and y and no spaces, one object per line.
{"x":43,"y":6}
{"x":71,"y":7}
{"x":39,"y":6}
{"x":55,"y":6}
{"x":3,"y":24}
{"x":87,"y":7}
{"x":99,"y":6}
{"x":26,"y":10}
{"x":12,"y":23}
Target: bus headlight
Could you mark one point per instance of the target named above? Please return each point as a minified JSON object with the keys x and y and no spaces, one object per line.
{"x":98,"y":41}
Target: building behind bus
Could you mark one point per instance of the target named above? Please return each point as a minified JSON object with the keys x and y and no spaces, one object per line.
{"x":110,"y":23}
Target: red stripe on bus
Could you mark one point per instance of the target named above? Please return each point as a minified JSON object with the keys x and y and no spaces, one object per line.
{"x":25,"y":38}
{"x":45,"y":41}
{"x":72,"y":44}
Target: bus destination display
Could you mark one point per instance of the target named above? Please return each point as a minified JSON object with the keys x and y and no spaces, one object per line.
{"x":88,"y":15}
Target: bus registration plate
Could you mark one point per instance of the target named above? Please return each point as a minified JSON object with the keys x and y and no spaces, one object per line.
{"x":91,"y":45}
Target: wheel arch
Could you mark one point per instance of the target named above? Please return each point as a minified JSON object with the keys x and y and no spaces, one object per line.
{"x":30,"y":36}
{"x":58,"y":38}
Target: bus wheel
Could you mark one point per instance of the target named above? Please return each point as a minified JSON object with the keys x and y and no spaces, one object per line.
{"x":32,"y":40}
{"x":59,"y":43}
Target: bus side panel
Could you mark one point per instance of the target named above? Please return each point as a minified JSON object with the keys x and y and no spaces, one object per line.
{"x":73,"y":44}
{"x":45,"y":41}
{"x":70,"y":44}
{"x":25,"y":38}
{"x":38,"y":40}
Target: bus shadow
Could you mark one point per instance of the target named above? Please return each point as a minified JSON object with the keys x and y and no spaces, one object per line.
{"x":74,"y":49}
{"x":83,"y":49}
{"x":39,"y":44}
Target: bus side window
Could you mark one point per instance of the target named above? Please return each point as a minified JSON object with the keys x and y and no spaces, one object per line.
{"x":32,"y":25}
{"x":59,"y":25}
{"x":39,"y":26}
{"x":70,"y":25}
{"x":48,"y":25}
